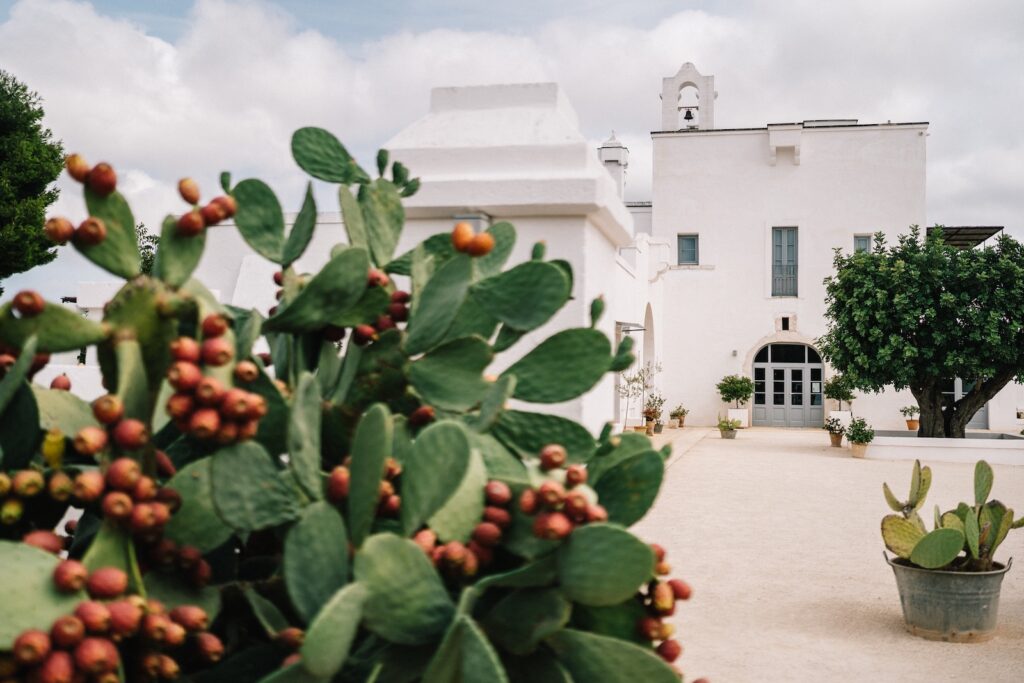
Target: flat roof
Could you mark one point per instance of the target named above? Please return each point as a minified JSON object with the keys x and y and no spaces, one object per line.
{"x":966,"y":236}
{"x":816,"y":124}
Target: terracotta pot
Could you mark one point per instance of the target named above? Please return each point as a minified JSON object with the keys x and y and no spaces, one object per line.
{"x":857,"y":450}
{"x":649,"y":429}
{"x":639,"y":428}
{"x":913,"y":425}
{"x":836,"y":439}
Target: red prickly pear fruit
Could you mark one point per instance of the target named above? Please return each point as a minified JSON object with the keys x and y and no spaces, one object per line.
{"x":528,"y":502}
{"x":279,"y":277}
{"x":90,"y":232}
{"x":184,"y":376}
{"x":667,"y":631}
{"x":462,"y":236}
{"x":291,"y":637}
{"x":164,"y":465}
{"x":31,"y":647}
{"x":189,"y":190}
{"x":551,"y":493}
{"x":95,"y":656}
{"x":235,"y":404}
{"x":377,"y":278}
{"x":210,"y":392}
{"x":88,"y":487}
{"x":338,"y":483}
{"x":188,"y":557}
{"x":649,"y":628}
{"x":204,"y":423}
{"x":552,"y":526}
{"x":669,"y":650}
{"x":423,"y":415}
{"x":662,"y":568}
{"x":391,"y":507}
{"x":201,"y":574}
{"x":70,"y":527}
{"x":180,"y":406}
{"x":59,"y":487}
{"x":400,"y":297}
{"x":131,"y":434}
{"x":94,"y":615}
{"x":227,"y":434}
{"x":27,"y":483}
{"x":552,"y":457}
{"x":191,"y":223}
{"x":597,"y":513}
{"x":28,"y":303}
{"x":227,"y":203}
{"x":175,"y":635}
{"x":484,"y":554}
{"x":383,"y":323}
{"x":125,"y":619}
{"x":218,"y":351}
{"x":123,"y":474}
{"x":106,"y":583}
{"x":248,"y":429}
{"x":209,"y":646}
{"x":78,"y":168}
{"x":154,"y":627}
{"x":167,"y":668}
{"x":5,"y":484}
{"x":6,"y":361}
{"x":102,"y":179}
{"x":145,"y":490}
{"x":58,"y":667}
{"x":67,"y":631}
{"x":90,"y":440}
{"x":576,"y":506}
{"x":213,"y":213}
{"x":163,"y":553}
{"x":39,"y":362}
{"x":497,"y":493}
{"x":680,"y":589}
{"x":192,"y":617}
{"x":663,"y":598}
{"x":364,"y":334}
{"x":659,"y":552}
{"x":481,"y":244}
{"x":471,"y":565}
{"x":398,"y":312}
{"x":186,"y":349}
{"x":454,"y":554}
{"x":426,"y":539}
{"x":333,"y":333}
{"x":498,"y":516}
{"x":246,"y":371}
{"x":437,"y":555}
{"x":575,"y":475}
{"x":487,"y":534}
{"x":144,"y":519}
{"x":170,"y":498}
{"x":117,"y":506}
{"x":108,"y":409}
{"x":11,"y":511}
{"x":61,"y":382}
{"x":59,"y":230}
{"x":214,"y":325}
{"x":392,"y":468}
{"x":257,"y":406}
{"x":44,"y":540}
{"x":386,"y":490}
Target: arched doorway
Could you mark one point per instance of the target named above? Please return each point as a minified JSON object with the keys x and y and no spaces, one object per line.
{"x":788,"y":386}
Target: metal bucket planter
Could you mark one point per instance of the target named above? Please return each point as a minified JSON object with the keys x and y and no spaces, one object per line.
{"x":728,"y":433}
{"x":658,"y":427}
{"x":958,"y":607}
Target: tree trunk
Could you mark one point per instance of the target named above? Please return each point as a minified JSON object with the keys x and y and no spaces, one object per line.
{"x":941,"y":417}
{"x":929,"y":400}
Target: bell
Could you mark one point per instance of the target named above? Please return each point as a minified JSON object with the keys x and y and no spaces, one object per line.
{"x":688,"y":116}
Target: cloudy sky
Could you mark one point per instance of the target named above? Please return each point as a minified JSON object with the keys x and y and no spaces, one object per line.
{"x":167,"y":88}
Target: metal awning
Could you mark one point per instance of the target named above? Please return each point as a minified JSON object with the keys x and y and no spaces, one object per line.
{"x":966,"y":236}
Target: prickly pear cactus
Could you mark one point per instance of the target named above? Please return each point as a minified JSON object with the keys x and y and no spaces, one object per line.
{"x":360,"y":503}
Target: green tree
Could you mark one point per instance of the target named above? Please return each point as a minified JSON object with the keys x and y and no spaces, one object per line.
{"x":919,"y":313}
{"x":147,"y":247}
{"x":30,"y":160}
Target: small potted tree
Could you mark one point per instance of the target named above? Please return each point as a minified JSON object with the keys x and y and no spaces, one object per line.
{"x":736,"y":389}
{"x":838,"y":389}
{"x":679,"y":414}
{"x":653,"y":411}
{"x":911,"y":413}
{"x":728,"y":427}
{"x":835,"y":431}
{"x":859,"y":434}
{"x":948,"y":579}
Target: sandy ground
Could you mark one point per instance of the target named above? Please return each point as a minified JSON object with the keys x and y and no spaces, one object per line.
{"x":779,"y":536}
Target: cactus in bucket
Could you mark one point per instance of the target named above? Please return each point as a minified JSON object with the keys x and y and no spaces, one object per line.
{"x":358,"y":503}
{"x":976,"y":530}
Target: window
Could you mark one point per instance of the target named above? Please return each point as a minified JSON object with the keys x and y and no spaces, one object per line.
{"x":861,"y":243}
{"x":689,"y":250}
{"x":785,"y":323}
{"x":784,"y":262}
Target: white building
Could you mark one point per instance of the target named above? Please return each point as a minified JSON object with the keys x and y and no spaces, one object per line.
{"x":720,"y":273}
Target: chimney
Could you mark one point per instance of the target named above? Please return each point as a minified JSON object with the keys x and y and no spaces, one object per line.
{"x":615,"y":157}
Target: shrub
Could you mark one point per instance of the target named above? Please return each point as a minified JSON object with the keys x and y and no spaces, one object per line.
{"x":838,"y":389}
{"x":736,"y":388}
{"x":859,"y":431}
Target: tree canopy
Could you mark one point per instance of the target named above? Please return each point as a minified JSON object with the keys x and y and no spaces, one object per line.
{"x":919,"y":313}
{"x":30,"y":160}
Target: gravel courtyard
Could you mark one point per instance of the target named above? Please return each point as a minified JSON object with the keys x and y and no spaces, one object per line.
{"x":779,"y":536}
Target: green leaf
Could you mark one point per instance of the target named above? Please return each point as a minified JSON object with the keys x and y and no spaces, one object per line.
{"x":938,"y":548}
{"x":304,"y":436}
{"x":302,"y":230}
{"x":493,"y":404}
{"x":178,"y":255}
{"x":113,"y":547}
{"x":247,"y":491}
{"x":524,"y":297}
{"x":383,"y":217}
{"x":590,"y":657}
{"x":438,"y":304}
{"x":315,"y":558}
{"x":56,"y":329}
{"x":971,"y":533}
{"x":330,"y":636}
{"x":196,"y":522}
{"x":900,"y":535}
{"x":527,"y":433}
{"x":318,"y":153}
{"x":259,"y":218}
{"x":352,"y":216}
{"x":407,"y":604}
{"x":460,"y":515}
{"x":119,"y":252}
{"x":526,"y":616}
{"x":440,"y":457}
{"x":62,"y":410}
{"x":504,"y":240}
{"x":603,"y":564}
{"x":28,"y":598}
{"x":331,"y":293}
{"x":371,"y":447}
{"x":266,"y":612}
{"x":562,"y":367}
{"x":982,"y":482}
{"x":172,"y":591}
{"x":628,"y":490}
{"x":450,"y":376}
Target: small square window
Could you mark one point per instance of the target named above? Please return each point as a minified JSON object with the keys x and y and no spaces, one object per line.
{"x":861,"y":243}
{"x":785,"y":323}
{"x":689,"y":250}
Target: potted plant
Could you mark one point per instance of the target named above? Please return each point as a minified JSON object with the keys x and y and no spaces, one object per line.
{"x":859,"y":434}
{"x":635,"y":385}
{"x":679,"y":413}
{"x":728,"y":427}
{"x":838,"y":389}
{"x":911,"y":413}
{"x":835,"y":431}
{"x":948,"y":579}
{"x":653,"y":411}
{"x":738,"y":389}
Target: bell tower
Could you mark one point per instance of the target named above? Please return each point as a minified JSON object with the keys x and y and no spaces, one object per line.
{"x":678,"y":113}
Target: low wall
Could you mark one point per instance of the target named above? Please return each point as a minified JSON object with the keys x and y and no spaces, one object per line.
{"x":996,"y":449}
